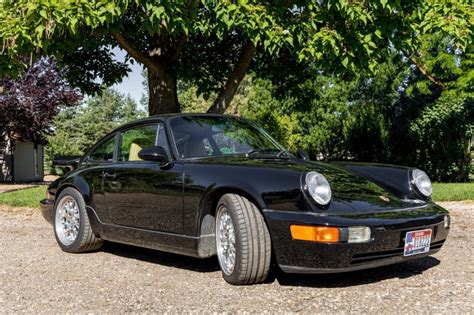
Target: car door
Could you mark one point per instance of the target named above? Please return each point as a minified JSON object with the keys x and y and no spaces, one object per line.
{"x":144,"y":194}
{"x":98,"y":161}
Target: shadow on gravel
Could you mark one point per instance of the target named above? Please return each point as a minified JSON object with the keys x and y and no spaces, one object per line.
{"x":348,"y":279}
{"x":355,"y":278}
{"x":161,"y":258}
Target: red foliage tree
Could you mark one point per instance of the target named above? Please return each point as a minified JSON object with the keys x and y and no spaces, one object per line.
{"x":29,"y":103}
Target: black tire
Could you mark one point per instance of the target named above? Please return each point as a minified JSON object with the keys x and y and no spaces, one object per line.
{"x":252,"y":241}
{"x":85,"y":240}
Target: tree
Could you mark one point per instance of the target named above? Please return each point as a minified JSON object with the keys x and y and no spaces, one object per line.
{"x":212,"y":43}
{"x":30,"y":102}
{"x":77,"y":128}
{"x":442,"y":135}
{"x":435,"y":120}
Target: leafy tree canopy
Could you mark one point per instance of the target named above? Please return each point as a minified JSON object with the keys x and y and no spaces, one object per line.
{"x":212,"y":43}
{"x":30,"y":102}
{"x":396,"y":115}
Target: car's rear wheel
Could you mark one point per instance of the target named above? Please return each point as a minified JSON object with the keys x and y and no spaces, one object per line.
{"x":71,"y":224}
{"x":242,"y":241}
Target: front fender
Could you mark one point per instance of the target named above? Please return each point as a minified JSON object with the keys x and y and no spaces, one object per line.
{"x":215,"y":191}
{"x":393,"y":178}
{"x":265,"y":187}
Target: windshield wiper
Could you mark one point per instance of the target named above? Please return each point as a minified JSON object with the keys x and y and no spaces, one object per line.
{"x":268,"y":153}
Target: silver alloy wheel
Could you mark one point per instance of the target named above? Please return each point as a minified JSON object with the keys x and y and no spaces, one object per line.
{"x":225,"y":240}
{"x":67,"y":220}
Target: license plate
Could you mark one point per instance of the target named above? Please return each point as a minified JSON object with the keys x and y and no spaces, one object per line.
{"x":417,"y":242}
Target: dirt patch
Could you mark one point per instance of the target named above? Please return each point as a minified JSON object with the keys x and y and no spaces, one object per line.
{"x":36,"y":276}
{"x":50,"y":178}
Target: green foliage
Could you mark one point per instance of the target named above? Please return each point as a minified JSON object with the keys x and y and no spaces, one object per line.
{"x":190,"y":99}
{"x":442,"y":136}
{"x":328,"y":117}
{"x":384,"y":113}
{"x":369,"y":118}
{"x":77,"y":129}
{"x":29,"y":197}
{"x":434,"y":125}
{"x":338,"y":36}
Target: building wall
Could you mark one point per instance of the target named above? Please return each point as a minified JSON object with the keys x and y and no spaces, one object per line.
{"x":27,"y":162}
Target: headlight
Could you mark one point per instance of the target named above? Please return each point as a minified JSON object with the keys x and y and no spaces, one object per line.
{"x":422,"y":182}
{"x":318,"y":187}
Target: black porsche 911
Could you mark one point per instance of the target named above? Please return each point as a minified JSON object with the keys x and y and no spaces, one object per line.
{"x":204,"y":185}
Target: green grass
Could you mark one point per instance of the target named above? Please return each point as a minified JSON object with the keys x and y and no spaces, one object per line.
{"x":453,"y":191}
{"x":29,"y":197}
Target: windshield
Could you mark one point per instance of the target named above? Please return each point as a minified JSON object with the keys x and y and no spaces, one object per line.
{"x":201,"y":136}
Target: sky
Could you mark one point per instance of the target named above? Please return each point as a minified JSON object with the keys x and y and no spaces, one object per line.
{"x":132,"y":84}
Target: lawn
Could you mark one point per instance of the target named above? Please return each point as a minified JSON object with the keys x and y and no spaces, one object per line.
{"x":29,"y":197}
{"x":453,"y":191}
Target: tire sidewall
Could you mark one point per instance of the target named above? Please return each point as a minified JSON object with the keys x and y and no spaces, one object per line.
{"x":226,"y":202}
{"x":71,"y":192}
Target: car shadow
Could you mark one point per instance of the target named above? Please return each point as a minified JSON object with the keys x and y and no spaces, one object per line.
{"x":360,"y":277}
{"x":337,"y":280}
{"x":162,"y":258}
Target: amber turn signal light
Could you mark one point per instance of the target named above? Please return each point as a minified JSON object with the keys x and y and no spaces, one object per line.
{"x":322,"y":234}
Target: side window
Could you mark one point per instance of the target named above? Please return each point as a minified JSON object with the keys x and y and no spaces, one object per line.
{"x":162,"y":141}
{"x":133,"y":140}
{"x":105,"y":151}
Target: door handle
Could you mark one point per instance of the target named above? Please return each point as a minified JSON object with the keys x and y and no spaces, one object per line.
{"x":110,"y":175}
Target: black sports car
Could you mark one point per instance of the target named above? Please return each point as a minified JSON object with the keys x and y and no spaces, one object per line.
{"x":204,"y":185}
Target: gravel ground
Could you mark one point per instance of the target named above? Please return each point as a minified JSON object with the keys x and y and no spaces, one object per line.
{"x":36,"y":276}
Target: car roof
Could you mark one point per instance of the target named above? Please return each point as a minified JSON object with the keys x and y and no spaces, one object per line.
{"x":153,"y":119}
{"x":165,"y":117}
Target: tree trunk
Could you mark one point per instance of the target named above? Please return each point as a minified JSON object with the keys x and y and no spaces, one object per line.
{"x":163,"y":96}
{"x":224,"y":98}
{"x":162,"y":85}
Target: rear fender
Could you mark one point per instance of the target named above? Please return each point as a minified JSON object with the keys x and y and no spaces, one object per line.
{"x":84,"y":189}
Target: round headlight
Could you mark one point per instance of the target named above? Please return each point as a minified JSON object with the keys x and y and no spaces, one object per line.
{"x":422,"y":182}
{"x":318,"y":187}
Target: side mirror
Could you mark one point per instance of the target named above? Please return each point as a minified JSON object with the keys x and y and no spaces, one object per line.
{"x":156,"y":153}
{"x":300,"y":153}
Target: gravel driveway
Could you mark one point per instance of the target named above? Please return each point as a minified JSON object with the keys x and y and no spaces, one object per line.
{"x":36,"y":276}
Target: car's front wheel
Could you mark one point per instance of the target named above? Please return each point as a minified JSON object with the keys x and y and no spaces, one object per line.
{"x":71,"y":224}
{"x":242,"y":241}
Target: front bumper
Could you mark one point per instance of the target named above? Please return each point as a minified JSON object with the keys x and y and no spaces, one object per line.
{"x":47,"y":209}
{"x":388,"y":230}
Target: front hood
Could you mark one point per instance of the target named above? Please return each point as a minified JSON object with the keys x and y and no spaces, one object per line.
{"x":357,"y":192}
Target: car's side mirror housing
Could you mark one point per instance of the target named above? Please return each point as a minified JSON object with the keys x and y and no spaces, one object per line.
{"x":156,"y":154}
{"x":302,"y":154}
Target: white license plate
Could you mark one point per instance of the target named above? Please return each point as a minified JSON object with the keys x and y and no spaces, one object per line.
{"x":417,"y":242}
